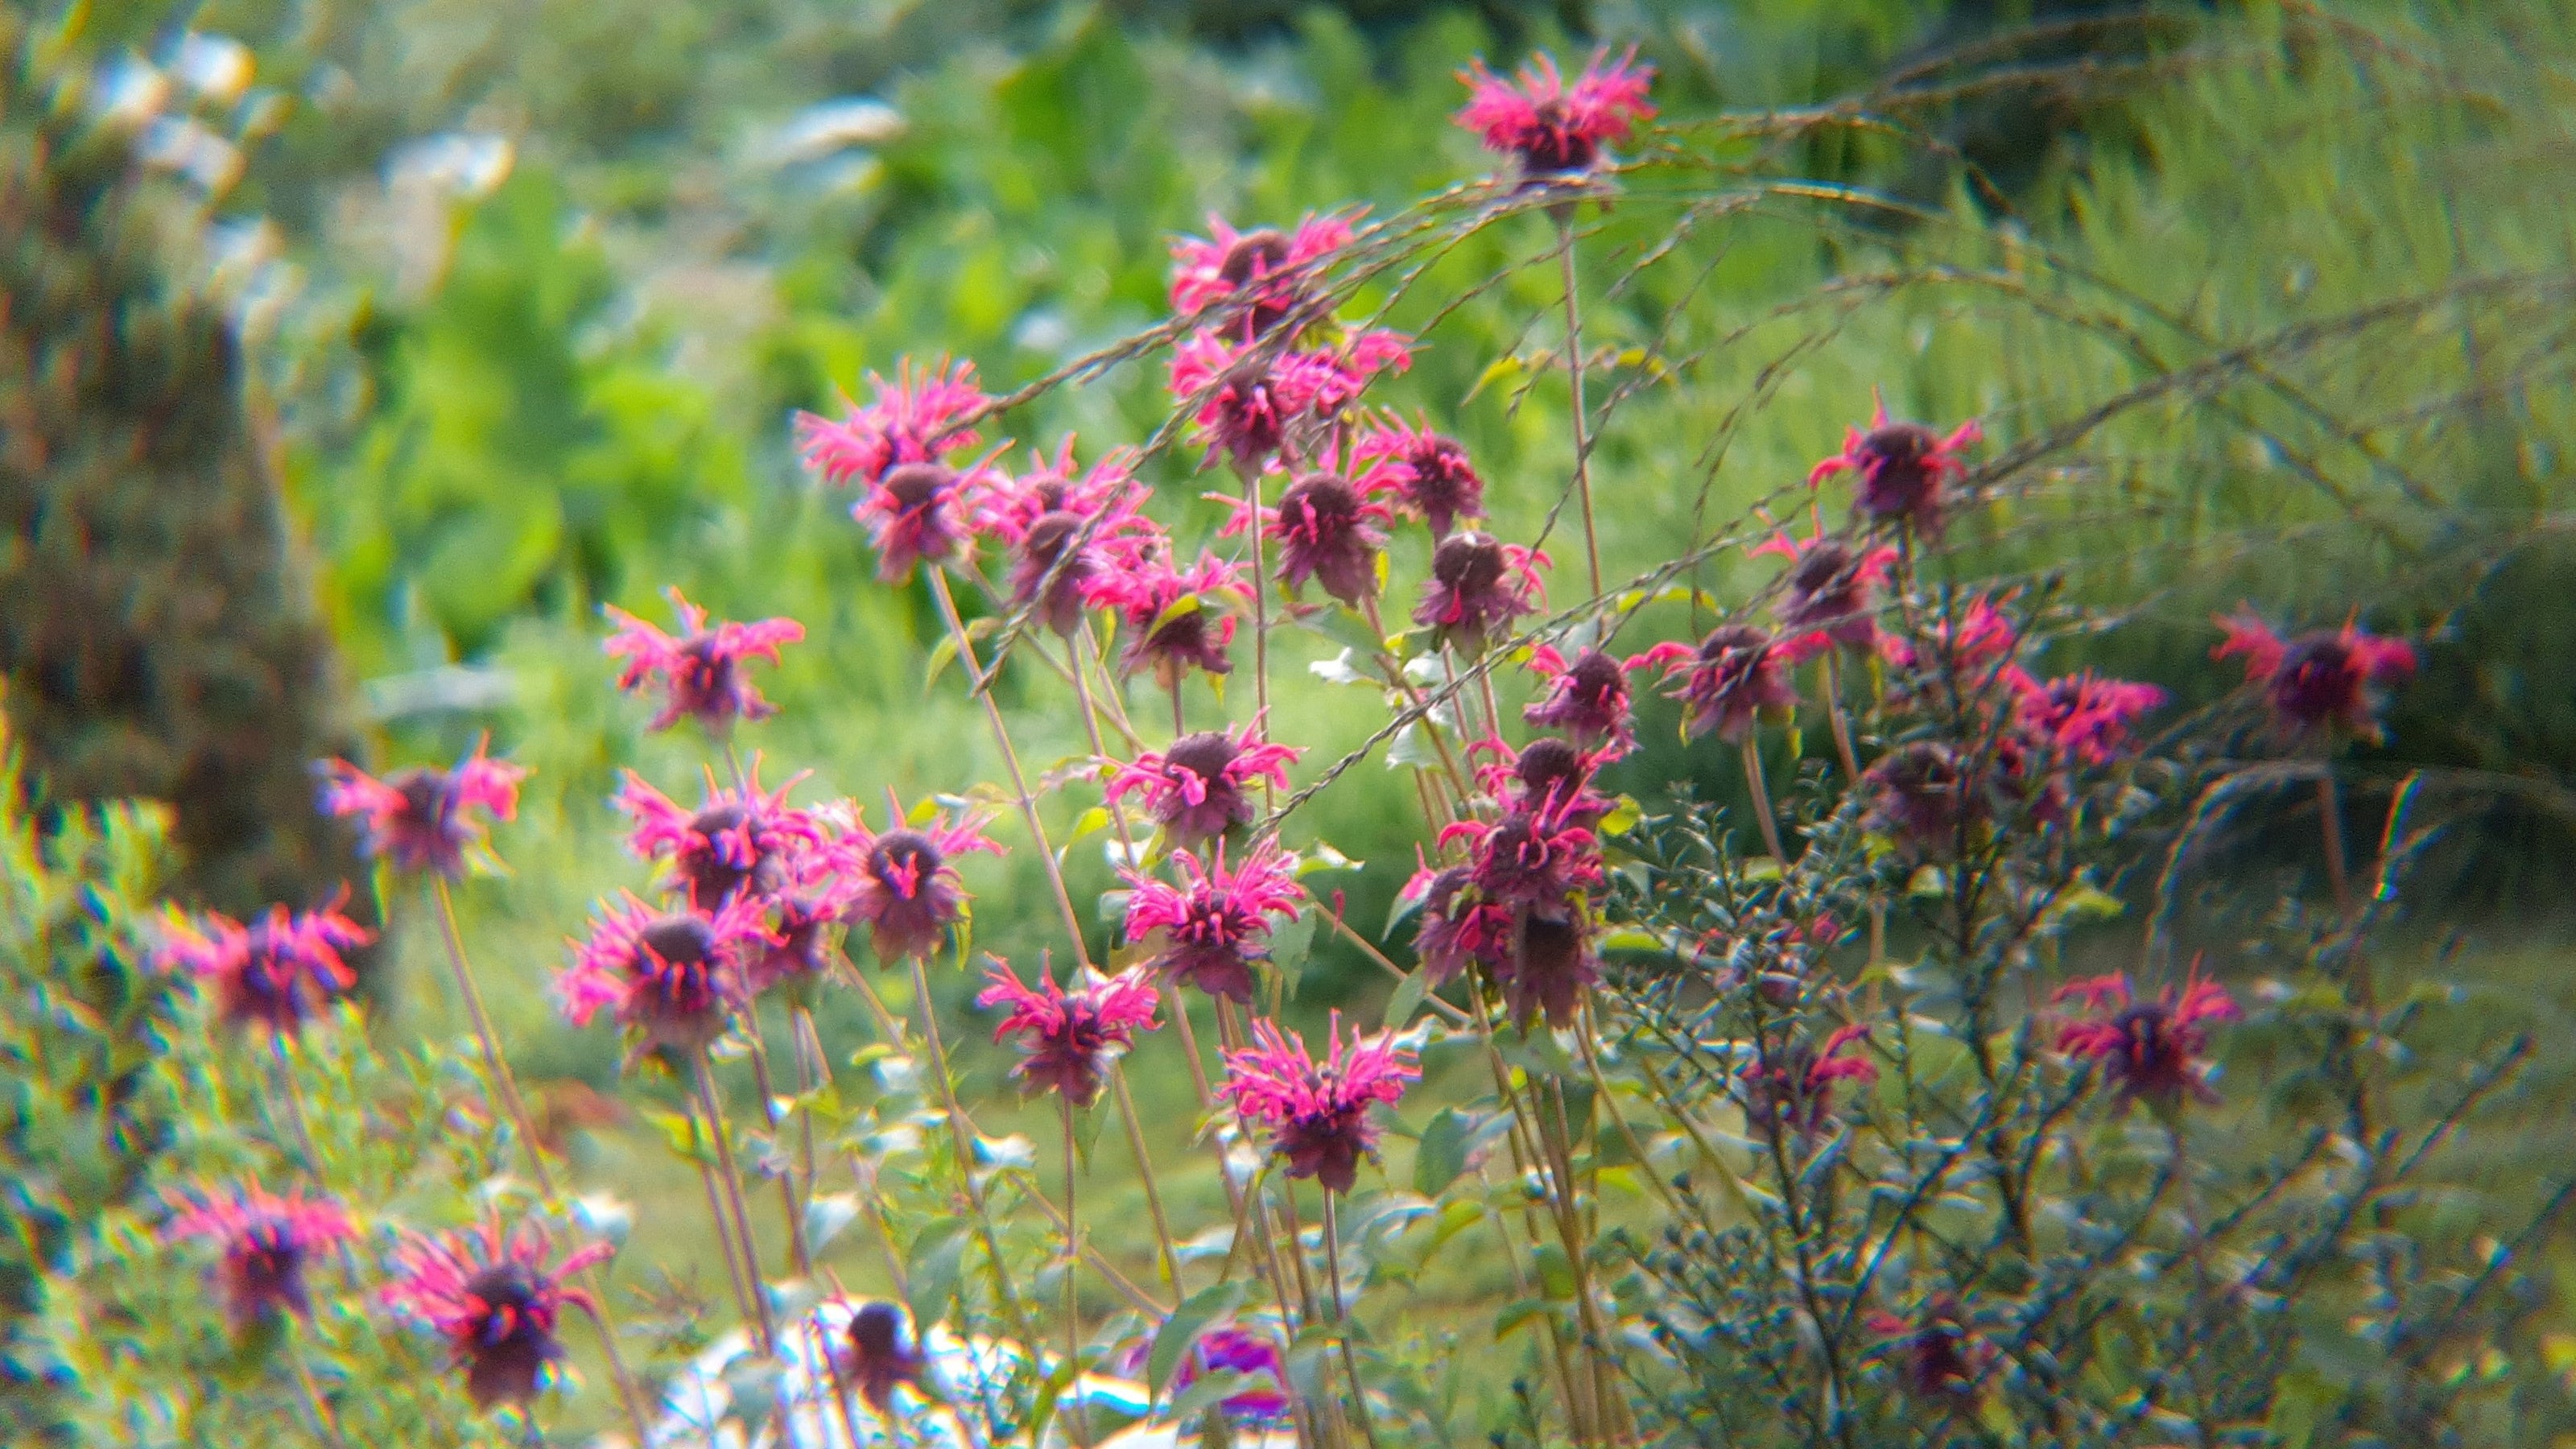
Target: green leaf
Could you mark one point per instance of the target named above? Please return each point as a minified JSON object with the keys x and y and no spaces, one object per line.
{"x":680,"y":1131}
{"x":1443,"y":1153}
{"x":826,"y":1216}
{"x":1290,"y":944}
{"x":1407,"y":999}
{"x":1172,"y":1341}
{"x":937,"y":1262}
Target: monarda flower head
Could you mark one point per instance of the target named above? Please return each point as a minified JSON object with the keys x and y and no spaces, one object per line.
{"x":496,"y":1300}
{"x":877,"y":1354}
{"x":1317,"y":1112}
{"x":794,"y":947}
{"x":1259,"y":277}
{"x":266,"y":1241}
{"x":919,"y":418}
{"x":905,"y":883}
{"x":1326,"y":530}
{"x":1196,"y":787}
{"x":1587,"y":699}
{"x":1478,"y":586}
{"x":1791,"y":1086}
{"x":1546,"y":777}
{"x":1428,"y":475}
{"x":1923,"y":798}
{"x":742,"y":841}
{"x":1736,"y":676}
{"x":701,"y":670}
{"x":1176,"y":620}
{"x":1231,"y":1349}
{"x":1937,"y":1356}
{"x":2084,"y":718}
{"x":275,"y":972}
{"x":1827,"y":595}
{"x":916,"y":511}
{"x":2150,"y":1051}
{"x":2320,"y":681}
{"x":1553,"y":128}
{"x":1068,"y":1040}
{"x":1549,"y":962}
{"x":1543,"y":861}
{"x":425,"y":819}
{"x":1255,"y":402}
{"x":1065,"y":533}
{"x":1904,"y":468}
{"x":1457,"y":930}
{"x":1209,"y":930}
{"x":670,"y":978}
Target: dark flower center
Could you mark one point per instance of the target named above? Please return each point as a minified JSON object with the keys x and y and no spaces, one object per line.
{"x":1046,"y":541}
{"x":920,"y":487}
{"x":904,"y":862}
{"x":508,"y":1308}
{"x":1551,"y":768}
{"x":1469,"y":564}
{"x":1319,"y":508}
{"x":2317,"y":678}
{"x":1254,"y":254}
{"x":719,"y":866}
{"x":675,"y":959}
{"x":1205,"y":754}
{"x":268,"y":1257}
{"x":1597,"y":677}
{"x":1901,"y":446}
{"x":429,"y":796}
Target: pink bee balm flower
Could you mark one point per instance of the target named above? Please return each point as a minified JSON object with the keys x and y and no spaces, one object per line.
{"x":2149,"y":1050}
{"x":1457,"y":930}
{"x":492,"y":1295}
{"x":1325,"y":530}
{"x":877,"y":1354}
{"x":421,"y":818}
{"x":1827,"y":595}
{"x":1547,"y":967}
{"x":267,"y":1239}
{"x":1066,"y":533}
{"x":1938,"y":1357}
{"x":2322,"y":680}
{"x":1588,"y":699}
{"x":1255,"y":1356}
{"x":1317,"y":1112}
{"x":1195,"y":788}
{"x":1921,"y":796}
{"x":1556,"y":129}
{"x":701,"y":670}
{"x":737,"y":843}
{"x":1176,"y":619}
{"x":1478,"y":587}
{"x":795,"y":948}
{"x":1737,"y":675}
{"x":672,"y":978}
{"x":1213,"y":925}
{"x":1904,"y":470}
{"x":1069,"y":1039}
{"x":1260,"y":276}
{"x":1792,"y":1087}
{"x":275,"y":972}
{"x":906,"y":887}
{"x":2086,"y":718}
{"x":1541,"y":861}
{"x":1252,"y":403}
{"x":1428,"y":475}
{"x":916,"y":420}
{"x":916,"y":511}
{"x":1548,"y":777}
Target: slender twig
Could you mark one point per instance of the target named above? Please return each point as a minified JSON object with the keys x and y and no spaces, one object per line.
{"x":1761,"y":792}
{"x":1341,"y":1327}
{"x":730,"y":1175}
{"x":1171,"y":1258}
{"x":1574,"y":372}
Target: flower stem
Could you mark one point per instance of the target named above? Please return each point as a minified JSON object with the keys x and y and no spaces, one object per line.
{"x":731,"y":1174}
{"x":1574,"y":371}
{"x":800,"y":1260}
{"x":1072,"y":1269}
{"x":497,"y":1069}
{"x":1761,"y":791}
{"x":1841,"y":721}
{"x":1010,"y":762}
{"x":1251,"y":476}
{"x":1341,"y":1329}
{"x":1171,"y":1257}
{"x":963,"y":1139}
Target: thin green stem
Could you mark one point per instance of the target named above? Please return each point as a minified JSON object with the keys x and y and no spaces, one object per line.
{"x":731,"y":1175}
{"x":1761,"y":792}
{"x":1574,"y":372}
{"x":963,"y":1141}
{"x":1341,"y":1327}
{"x":1171,"y":1258}
{"x":1072,"y":1271}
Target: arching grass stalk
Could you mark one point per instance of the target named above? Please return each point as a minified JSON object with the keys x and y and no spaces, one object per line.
{"x":730,"y":1173}
{"x":497,"y":1071}
{"x":1574,"y":373}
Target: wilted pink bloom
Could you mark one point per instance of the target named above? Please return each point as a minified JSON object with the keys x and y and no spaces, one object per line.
{"x":275,"y":972}
{"x":1554,"y":128}
{"x":266,"y":1239}
{"x":1177,"y":620}
{"x":1458,"y":929}
{"x":671,"y":978}
{"x":2322,"y":680}
{"x":700,"y":671}
{"x":1478,"y":586}
{"x":1921,"y":796}
{"x":1792,"y":1086}
{"x":2150,"y":1050}
{"x":1937,"y":1356}
{"x":1539,"y":861}
{"x":1546,"y":777}
{"x":1069,"y":1039}
{"x":1827,"y":596}
{"x":916,"y":511}
{"x":1259,"y":276}
{"x":915,"y":420}
{"x":1195,"y":788}
{"x":735,"y":844}
{"x":1904,"y":469}
{"x":1254,"y":402}
{"x":906,"y":884}
{"x":1317,"y":1112}
{"x":1066,"y":531}
{"x":1547,"y":967}
{"x":424,"y":819}
{"x":1215,"y":924}
{"x":492,"y":1295}
{"x":1325,"y":530}
{"x":2084,"y":717}
{"x":795,"y":944}
{"x":1977,"y":646}
{"x":1428,"y":475}
{"x":1588,"y":699}
{"x":1737,"y":675}
{"x":877,"y":1354}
